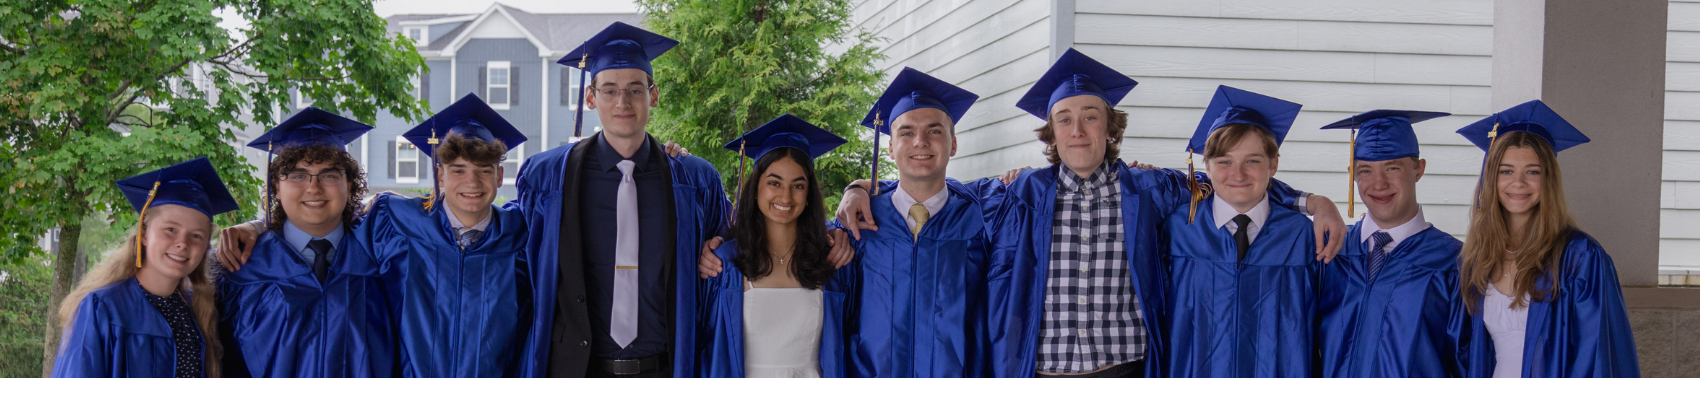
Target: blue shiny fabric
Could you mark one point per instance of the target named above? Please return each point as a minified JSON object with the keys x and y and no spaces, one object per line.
{"x":920,"y":308}
{"x":1021,"y":254}
{"x":1581,"y":332}
{"x":720,"y":326}
{"x":117,"y":334}
{"x":1398,"y":324}
{"x":1250,"y":318}
{"x":458,"y":313}
{"x":276,"y":320}
{"x":700,"y":206}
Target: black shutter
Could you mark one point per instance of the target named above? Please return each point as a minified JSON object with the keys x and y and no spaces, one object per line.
{"x":566,"y":85}
{"x":513,"y":85}
{"x":391,"y":160}
{"x":483,"y":83}
{"x":421,"y":166}
{"x":425,"y":86}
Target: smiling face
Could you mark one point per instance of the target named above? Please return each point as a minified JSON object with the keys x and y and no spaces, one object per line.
{"x":922,"y":142}
{"x":469,"y":188}
{"x":1520,"y":178}
{"x":1389,"y":188}
{"x":175,"y":241}
{"x":314,"y":205}
{"x":1082,"y":132}
{"x":622,"y":98}
{"x":1240,"y":175}
{"x":783,"y":192}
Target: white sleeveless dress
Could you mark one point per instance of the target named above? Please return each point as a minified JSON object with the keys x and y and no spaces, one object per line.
{"x":782,"y":330}
{"x":1506,"y":326}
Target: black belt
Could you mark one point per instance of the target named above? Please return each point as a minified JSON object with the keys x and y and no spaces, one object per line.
{"x":632,"y":366}
{"x":1130,"y":369}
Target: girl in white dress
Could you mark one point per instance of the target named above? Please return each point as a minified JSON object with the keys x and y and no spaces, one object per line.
{"x":779,"y":311}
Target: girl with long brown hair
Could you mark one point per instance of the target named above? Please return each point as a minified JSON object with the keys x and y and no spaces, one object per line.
{"x":779,"y":311}
{"x":1541,"y":297}
{"x":147,"y":310}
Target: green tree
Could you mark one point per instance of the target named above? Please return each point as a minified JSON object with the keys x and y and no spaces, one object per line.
{"x":92,"y":91}
{"x":744,"y":62}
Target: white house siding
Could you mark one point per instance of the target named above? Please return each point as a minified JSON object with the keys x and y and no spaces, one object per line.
{"x":1679,"y":244}
{"x":1337,"y":57}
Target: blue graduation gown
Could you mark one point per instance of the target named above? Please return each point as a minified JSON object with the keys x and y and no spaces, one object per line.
{"x":1397,"y":325}
{"x":700,"y":208}
{"x":1021,"y":257}
{"x":458,"y":313}
{"x":1251,"y":318}
{"x":1582,"y":332}
{"x":920,"y":308}
{"x":720,"y":326}
{"x":276,"y":320}
{"x":117,"y":334}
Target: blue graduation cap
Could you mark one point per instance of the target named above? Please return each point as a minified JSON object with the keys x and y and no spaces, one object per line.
{"x":913,"y":90}
{"x":1072,"y":75}
{"x":470,"y":117}
{"x":1383,"y":135}
{"x":785,"y":131}
{"x":193,"y":184}
{"x":1379,"y":135}
{"x":1533,"y":117}
{"x":310,"y":126}
{"x":1235,"y":106}
{"x":618,"y":46}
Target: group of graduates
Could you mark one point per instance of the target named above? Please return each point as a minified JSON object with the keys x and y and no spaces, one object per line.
{"x":1091,"y":267}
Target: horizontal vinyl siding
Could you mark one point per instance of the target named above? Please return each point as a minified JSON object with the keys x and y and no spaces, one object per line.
{"x":994,"y":48}
{"x":1679,"y":237}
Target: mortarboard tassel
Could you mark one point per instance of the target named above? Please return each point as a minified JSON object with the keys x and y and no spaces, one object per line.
{"x":139,"y":222}
{"x":578,"y":122}
{"x":1199,"y":190}
{"x":432,"y":199}
{"x":269,"y":188}
{"x":875,"y":184}
{"x":1351,"y":167}
{"x":737,"y":192}
{"x":1492,"y":135}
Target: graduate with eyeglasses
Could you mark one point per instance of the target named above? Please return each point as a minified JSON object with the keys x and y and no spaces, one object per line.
{"x":309,"y":302}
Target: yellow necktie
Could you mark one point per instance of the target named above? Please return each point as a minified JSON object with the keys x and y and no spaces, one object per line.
{"x":920,"y":214}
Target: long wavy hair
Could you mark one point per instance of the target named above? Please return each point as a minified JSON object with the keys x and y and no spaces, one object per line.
{"x":119,"y":265}
{"x":1115,"y":127}
{"x":749,"y":227}
{"x":1489,"y":239}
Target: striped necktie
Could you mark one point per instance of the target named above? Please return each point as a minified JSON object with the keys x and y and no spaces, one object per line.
{"x":1378,"y":255}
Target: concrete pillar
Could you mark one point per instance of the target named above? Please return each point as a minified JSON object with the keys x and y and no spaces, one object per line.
{"x":1601,"y":64}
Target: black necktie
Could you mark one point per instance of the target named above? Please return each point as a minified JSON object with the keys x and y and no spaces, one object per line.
{"x":1241,"y":240}
{"x":321,"y":257}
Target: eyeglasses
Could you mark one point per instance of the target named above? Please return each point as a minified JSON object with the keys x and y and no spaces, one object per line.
{"x":302,"y":178}
{"x":623,"y":94}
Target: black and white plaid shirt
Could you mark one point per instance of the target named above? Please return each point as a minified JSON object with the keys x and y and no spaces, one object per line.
{"x":1092,"y":318}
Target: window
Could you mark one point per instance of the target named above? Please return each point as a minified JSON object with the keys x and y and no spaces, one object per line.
{"x":301,"y":99}
{"x":572,"y":89}
{"x":510,"y":166}
{"x":416,"y":80}
{"x":497,"y":89}
{"x":417,"y":33}
{"x":406,"y":163}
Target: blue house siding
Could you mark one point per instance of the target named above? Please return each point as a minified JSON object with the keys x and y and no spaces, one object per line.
{"x":561,"y":115}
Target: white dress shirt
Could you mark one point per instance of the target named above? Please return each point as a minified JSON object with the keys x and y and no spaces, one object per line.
{"x":901,"y":200}
{"x":1399,"y":233}
{"x":1224,"y":214}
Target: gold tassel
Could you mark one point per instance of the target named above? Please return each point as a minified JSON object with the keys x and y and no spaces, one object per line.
{"x":874,"y":188}
{"x":140,"y":233}
{"x":1492,"y":135}
{"x":432,"y":199}
{"x":1351,"y":181}
{"x":1200,"y":190}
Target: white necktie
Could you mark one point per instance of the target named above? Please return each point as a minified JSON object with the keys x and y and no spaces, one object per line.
{"x":625,"y":314}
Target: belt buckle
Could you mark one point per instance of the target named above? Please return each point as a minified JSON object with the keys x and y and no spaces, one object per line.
{"x":623,"y":367}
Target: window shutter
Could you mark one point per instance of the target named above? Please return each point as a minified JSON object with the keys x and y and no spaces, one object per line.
{"x":392,"y":161}
{"x":513,"y":85}
{"x":425,"y":86}
{"x":483,"y":83}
